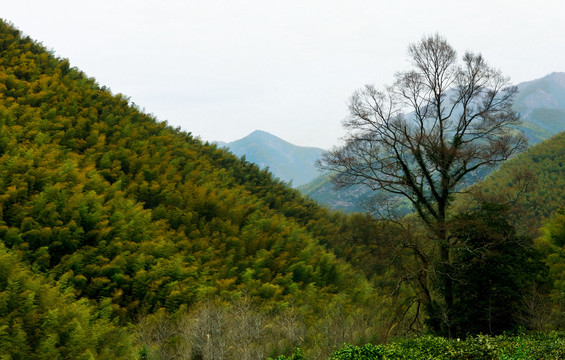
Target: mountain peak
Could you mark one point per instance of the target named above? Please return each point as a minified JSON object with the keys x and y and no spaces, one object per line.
{"x":286,"y":161}
{"x":556,"y":75}
{"x":261,"y":133}
{"x":554,"y":78}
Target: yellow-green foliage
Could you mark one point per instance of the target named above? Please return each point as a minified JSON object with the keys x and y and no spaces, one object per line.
{"x":544,"y":167}
{"x":140,"y":216}
{"x":40,"y":320}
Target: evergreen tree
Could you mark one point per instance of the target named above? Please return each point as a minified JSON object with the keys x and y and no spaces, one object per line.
{"x":494,"y":269}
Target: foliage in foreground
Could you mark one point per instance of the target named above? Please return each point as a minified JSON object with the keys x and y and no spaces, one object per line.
{"x":42,"y":320}
{"x":503,"y":347}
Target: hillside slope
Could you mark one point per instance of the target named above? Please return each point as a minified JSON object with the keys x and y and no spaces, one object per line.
{"x":137,"y":217}
{"x":40,"y":318}
{"x":545,"y":165}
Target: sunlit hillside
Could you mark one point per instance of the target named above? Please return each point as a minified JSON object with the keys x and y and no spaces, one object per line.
{"x":124,"y":215}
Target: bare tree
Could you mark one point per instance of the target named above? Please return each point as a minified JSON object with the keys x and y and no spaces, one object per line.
{"x":159,"y":336}
{"x":216,"y":330}
{"x":420,"y":138}
{"x":207,"y":331}
{"x":248,"y":329}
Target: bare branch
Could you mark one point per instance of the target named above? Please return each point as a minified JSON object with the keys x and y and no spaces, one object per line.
{"x":421,"y":137}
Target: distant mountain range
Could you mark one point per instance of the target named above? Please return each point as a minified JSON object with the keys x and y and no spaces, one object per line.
{"x":540,"y":102}
{"x":288,"y":162}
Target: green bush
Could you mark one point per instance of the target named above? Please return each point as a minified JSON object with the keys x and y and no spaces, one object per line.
{"x":296,"y":355}
{"x":542,"y":346}
{"x":368,"y":351}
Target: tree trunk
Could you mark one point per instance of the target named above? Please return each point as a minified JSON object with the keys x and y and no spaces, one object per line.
{"x":445,"y":276}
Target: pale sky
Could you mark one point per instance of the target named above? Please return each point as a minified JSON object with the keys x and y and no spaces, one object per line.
{"x":221,"y":69}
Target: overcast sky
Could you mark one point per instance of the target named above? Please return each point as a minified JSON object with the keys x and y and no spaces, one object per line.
{"x":221,"y":69}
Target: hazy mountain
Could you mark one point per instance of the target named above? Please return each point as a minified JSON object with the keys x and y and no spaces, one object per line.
{"x":288,"y":162}
{"x":352,"y":199}
{"x":540,"y":102}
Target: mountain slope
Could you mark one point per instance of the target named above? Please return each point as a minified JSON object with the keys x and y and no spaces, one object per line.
{"x":138,"y":218}
{"x":288,"y":162}
{"x":545,"y":164}
{"x":541,"y":104}
{"x":351,"y":199}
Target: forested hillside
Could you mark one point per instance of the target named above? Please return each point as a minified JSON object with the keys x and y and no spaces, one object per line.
{"x":130,"y":221}
{"x":533,"y":184}
{"x":537,"y":174}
